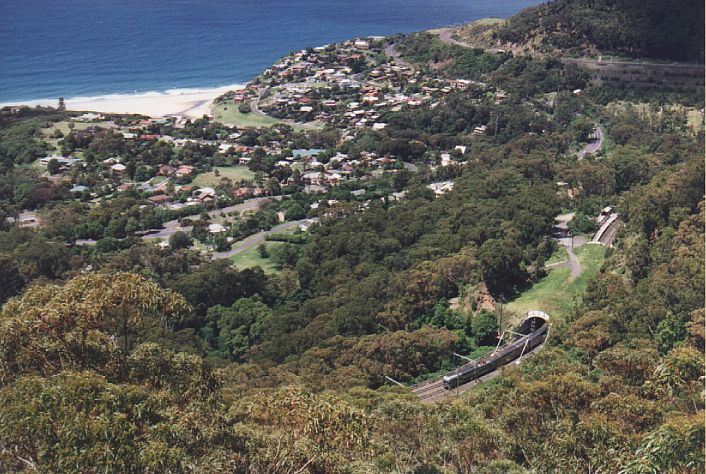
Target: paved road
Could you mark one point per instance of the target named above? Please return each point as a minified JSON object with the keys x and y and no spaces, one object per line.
{"x":171,"y":227}
{"x":574,"y":265}
{"x":392,"y":53}
{"x":255,"y":239}
{"x":583,"y":61}
{"x":594,"y":145}
{"x":445,"y":36}
{"x":569,"y":244}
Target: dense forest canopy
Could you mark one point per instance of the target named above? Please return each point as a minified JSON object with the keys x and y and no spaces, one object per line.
{"x":122,"y":355}
{"x":634,"y":28}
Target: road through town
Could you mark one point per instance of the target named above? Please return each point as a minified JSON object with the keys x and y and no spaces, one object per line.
{"x":171,"y":227}
{"x":255,"y":239}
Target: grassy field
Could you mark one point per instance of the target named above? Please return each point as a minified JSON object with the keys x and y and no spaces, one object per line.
{"x":557,"y":292}
{"x":559,"y":255}
{"x":480,"y":32}
{"x":695,"y":119}
{"x":64,"y":127}
{"x":229,"y":114}
{"x":235,"y":173}
{"x":251,"y":258}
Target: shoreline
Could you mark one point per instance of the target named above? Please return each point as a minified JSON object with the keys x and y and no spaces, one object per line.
{"x":186,"y":102}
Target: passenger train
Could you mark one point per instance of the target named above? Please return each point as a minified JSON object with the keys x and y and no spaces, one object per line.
{"x":531,"y":333}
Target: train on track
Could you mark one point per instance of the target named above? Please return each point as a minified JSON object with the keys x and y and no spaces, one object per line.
{"x":531,"y":333}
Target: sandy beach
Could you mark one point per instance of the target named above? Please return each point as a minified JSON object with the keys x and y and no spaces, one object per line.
{"x":192,"y":103}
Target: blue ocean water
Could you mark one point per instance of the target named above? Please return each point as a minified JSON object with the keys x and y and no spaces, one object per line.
{"x":69,"y":48}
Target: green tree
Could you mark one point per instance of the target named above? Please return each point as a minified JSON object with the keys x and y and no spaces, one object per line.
{"x":484,"y":327}
{"x":91,"y":322}
{"x":180,"y":240}
{"x":500,"y":266}
{"x":238,"y":326}
{"x":53,"y":167}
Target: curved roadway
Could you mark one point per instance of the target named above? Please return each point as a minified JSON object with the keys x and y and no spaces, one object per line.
{"x":255,"y":239}
{"x":171,"y":227}
{"x":594,"y":145}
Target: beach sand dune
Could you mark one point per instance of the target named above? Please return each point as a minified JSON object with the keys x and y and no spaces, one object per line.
{"x":192,"y":103}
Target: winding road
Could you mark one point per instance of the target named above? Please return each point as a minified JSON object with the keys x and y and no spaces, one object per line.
{"x":594,"y":145}
{"x":255,"y":239}
{"x":171,"y":227}
{"x":445,"y":37}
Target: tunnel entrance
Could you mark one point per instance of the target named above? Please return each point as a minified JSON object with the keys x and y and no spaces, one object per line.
{"x":533,"y":321}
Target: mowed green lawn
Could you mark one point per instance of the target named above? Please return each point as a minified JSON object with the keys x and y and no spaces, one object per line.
{"x":229,"y":114}
{"x":557,"y":293}
{"x":251,"y":258}
{"x":235,"y":173}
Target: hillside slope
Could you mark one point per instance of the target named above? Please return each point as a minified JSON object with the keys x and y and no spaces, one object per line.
{"x":646,"y":29}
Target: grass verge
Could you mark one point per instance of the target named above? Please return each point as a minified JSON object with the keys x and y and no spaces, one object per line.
{"x":559,"y":255}
{"x":251,"y":258}
{"x":234,"y":173}
{"x":558,"y":293}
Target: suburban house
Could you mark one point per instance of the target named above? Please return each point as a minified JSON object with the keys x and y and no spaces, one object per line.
{"x":205,"y":194}
{"x":158,"y":199}
{"x":216,"y":228}
{"x":184,"y":170}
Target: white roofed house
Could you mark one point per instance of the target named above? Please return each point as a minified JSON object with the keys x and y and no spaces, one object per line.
{"x":361,"y":44}
{"x":480,"y":130}
{"x":110,"y":161}
{"x":225,"y":147}
{"x":118,"y":168}
{"x":446,"y":159}
{"x":216,"y":229}
{"x":78,"y":189}
{"x":334,"y":178}
{"x":441,"y":187}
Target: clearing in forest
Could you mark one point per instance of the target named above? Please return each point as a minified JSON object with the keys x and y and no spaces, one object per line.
{"x":558,"y":292}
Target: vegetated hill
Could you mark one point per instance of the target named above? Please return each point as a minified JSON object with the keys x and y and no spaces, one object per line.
{"x":635,"y":28}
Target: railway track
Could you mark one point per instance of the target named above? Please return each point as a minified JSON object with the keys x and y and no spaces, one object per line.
{"x":608,"y":235}
{"x":432,"y":391}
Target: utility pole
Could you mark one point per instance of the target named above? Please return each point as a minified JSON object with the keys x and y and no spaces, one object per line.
{"x":500,"y":319}
{"x":458,"y":382}
{"x":395,"y":381}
